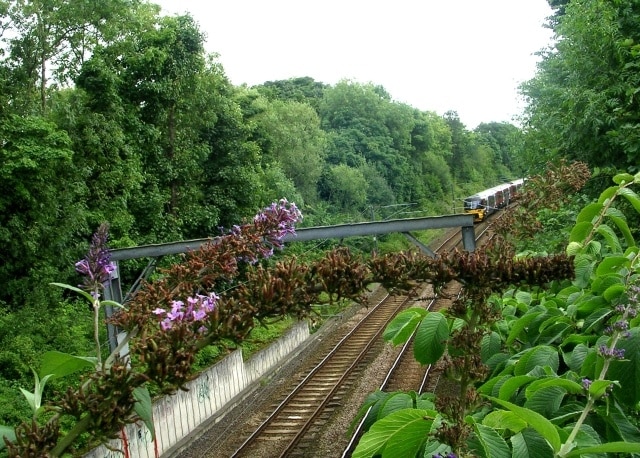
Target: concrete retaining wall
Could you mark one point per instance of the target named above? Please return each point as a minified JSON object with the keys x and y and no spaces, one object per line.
{"x":210,"y":395}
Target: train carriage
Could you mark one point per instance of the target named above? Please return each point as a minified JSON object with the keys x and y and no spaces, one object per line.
{"x":486,"y":202}
{"x":516,"y":188}
{"x":480,"y":205}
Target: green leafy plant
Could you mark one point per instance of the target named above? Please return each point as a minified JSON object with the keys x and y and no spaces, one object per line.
{"x":542,"y":370}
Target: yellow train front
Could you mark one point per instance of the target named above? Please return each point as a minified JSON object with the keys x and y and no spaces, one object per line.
{"x":480,"y":205}
{"x":486,"y":202}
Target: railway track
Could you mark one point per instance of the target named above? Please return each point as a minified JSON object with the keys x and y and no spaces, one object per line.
{"x":406,"y":374}
{"x":288,"y":431}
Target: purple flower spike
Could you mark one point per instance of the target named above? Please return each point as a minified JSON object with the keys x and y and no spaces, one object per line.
{"x":96,"y":267}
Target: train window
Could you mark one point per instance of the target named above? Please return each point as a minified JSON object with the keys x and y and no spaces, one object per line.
{"x":471,"y":203}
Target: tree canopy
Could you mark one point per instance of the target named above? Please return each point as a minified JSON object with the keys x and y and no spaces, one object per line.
{"x":583,"y":102}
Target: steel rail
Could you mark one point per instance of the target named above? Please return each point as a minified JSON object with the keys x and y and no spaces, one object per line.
{"x":370,"y":337}
{"x":358,"y":431}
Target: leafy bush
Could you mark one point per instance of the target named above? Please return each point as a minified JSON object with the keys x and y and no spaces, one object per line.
{"x":545,"y":371}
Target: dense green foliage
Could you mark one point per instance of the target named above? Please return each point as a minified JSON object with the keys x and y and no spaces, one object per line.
{"x":583,"y":101}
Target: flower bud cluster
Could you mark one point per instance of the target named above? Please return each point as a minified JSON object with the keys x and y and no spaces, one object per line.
{"x":620,"y":328}
{"x":611,"y":353}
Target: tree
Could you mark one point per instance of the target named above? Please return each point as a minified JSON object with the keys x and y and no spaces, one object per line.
{"x":502,"y":138}
{"x":181,"y":127}
{"x":582,"y":103}
{"x":303,"y":90}
{"x":41,"y":207}
{"x":365,"y":126}
{"x":345,"y":187}
{"x":290,"y":133}
{"x":51,"y":39}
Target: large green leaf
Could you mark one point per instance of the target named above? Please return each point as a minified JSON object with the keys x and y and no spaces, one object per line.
{"x":400,"y":434}
{"x":622,"y":178}
{"x":144,"y":408}
{"x":631,"y":196}
{"x":614,"y":292}
{"x":491,"y":344}
{"x":543,"y":426}
{"x":610,"y":447}
{"x":530,"y":444}
{"x":542,"y":355}
{"x":567,"y":385}
{"x":397,"y":401}
{"x":611,"y":237}
{"x":575,"y":358}
{"x":523,"y":297}
{"x":608,"y":194}
{"x":545,"y":400}
{"x":589,"y":212}
{"x":593,"y":248}
{"x":568,"y":412}
{"x":574,"y":248}
{"x":370,"y":408}
{"x":504,"y":419}
{"x":616,"y":419}
{"x":627,"y":372}
{"x":613,"y":265}
{"x":590,"y":304}
{"x":620,"y":221}
{"x":59,"y":364}
{"x":431,"y":338}
{"x":590,"y":365}
{"x":584,"y":268}
{"x":425,"y":401}
{"x":487,"y":442}
{"x":492,"y":386}
{"x":604,"y":281}
{"x":400,"y":329}
{"x":596,"y":320}
{"x":586,"y":437}
{"x":512,"y":385}
{"x":554,"y":333}
{"x":518,"y":326}
{"x":497,"y":362}
{"x":580,"y":232}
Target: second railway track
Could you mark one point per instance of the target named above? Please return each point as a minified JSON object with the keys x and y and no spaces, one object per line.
{"x":285,"y":431}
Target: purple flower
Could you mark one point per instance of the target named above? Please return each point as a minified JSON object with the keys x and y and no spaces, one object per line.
{"x":195,"y":311}
{"x":586,"y":383}
{"x":96,"y":267}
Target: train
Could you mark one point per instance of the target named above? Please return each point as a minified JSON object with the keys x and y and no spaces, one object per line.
{"x":484,"y":203}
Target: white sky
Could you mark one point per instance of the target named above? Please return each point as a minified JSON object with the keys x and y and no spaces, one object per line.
{"x":435,"y":55}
